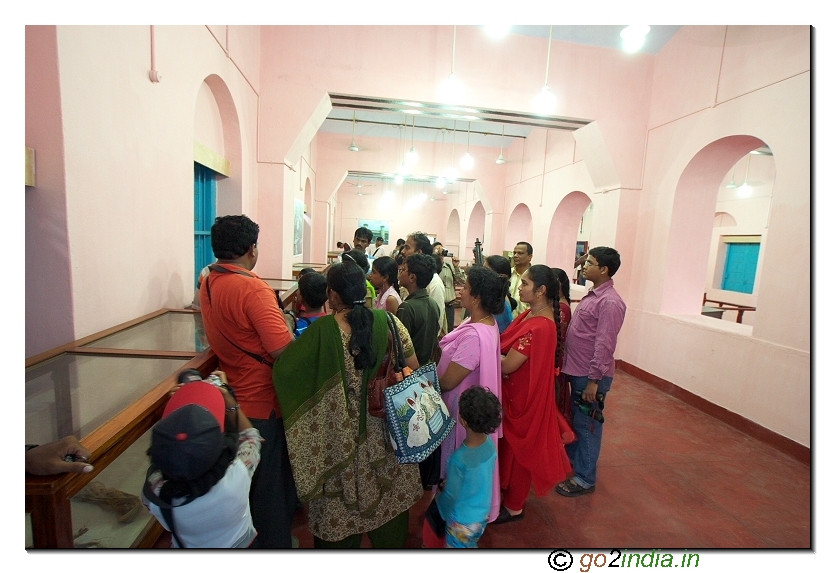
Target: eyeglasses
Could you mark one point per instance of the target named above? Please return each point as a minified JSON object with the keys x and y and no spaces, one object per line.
{"x":591,"y":264}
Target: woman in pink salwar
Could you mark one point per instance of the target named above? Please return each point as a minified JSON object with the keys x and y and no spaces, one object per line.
{"x":470,"y":357}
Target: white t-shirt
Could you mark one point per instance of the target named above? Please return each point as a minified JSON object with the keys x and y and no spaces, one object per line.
{"x":376,"y":252}
{"x":221,"y":517}
{"x":437,"y":292}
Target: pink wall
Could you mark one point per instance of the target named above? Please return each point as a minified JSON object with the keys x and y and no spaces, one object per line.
{"x":49,"y":294}
{"x":130,"y":243}
{"x":128,"y":170}
{"x":761,"y":372}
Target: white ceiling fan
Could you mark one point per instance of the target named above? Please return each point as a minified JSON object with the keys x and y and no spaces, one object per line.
{"x":359,"y":186}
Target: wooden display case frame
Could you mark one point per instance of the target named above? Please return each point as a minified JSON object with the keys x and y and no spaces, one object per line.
{"x":48,"y":497}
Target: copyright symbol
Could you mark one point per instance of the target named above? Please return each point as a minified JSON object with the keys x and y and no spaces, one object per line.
{"x":560,"y":560}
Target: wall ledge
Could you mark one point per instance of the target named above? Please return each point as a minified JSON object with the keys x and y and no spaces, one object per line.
{"x":744,"y":425}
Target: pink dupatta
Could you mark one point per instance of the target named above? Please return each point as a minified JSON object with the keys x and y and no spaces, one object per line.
{"x":488,"y":375}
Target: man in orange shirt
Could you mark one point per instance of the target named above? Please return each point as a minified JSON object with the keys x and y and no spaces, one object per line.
{"x":247,"y":331}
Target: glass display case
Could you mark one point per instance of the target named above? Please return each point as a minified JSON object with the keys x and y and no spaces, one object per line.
{"x":108,"y":390}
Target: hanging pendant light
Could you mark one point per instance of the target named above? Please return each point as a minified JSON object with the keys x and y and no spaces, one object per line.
{"x":452,"y":172}
{"x":451,"y":88}
{"x":545,"y":101}
{"x":732,"y":184}
{"x":412,"y":156}
{"x":467,"y":161}
{"x":746,"y":190}
{"x":353,"y":146}
{"x":500,"y":158}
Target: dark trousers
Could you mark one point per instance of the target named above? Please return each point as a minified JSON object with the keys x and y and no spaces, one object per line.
{"x":450,"y":317}
{"x":272,"y":495}
{"x":391,"y":535}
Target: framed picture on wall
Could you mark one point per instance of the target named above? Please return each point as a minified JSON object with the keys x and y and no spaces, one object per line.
{"x":378,"y":229}
{"x":298,"y":226}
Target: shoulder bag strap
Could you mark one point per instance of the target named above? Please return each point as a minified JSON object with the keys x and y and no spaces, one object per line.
{"x":164,"y":507}
{"x":397,"y":350}
{"x":223,"y":270}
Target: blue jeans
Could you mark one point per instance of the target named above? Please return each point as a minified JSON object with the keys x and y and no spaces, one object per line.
{"x":586,"y":449}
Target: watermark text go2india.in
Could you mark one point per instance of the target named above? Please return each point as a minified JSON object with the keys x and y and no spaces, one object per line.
{"x":562,"y":559}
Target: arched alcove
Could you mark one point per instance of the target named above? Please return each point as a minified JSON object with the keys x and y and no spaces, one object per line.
{"x":563,"y":231}
{"x":229,"y":189}
{"x":475,"y":230}
{"x":453,"y":232}
{"x":692,"y":221}
{"x":723,"y":219}
{"x":519,"y":226}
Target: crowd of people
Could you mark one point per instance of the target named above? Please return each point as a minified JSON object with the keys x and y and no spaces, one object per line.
{"x":284,"y":420}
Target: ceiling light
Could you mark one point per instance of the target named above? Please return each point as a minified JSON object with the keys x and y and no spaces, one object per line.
{"x":746,"y":190}
{"x":353,"y":146}
{"x":440,"y":182}
{"x":412,"y":156}
{"x":451,"y":90}
{"x":412,"y":111}
{"x":732,"y":184}
{"x":545,"y":102}
{"x":398,"y":179}
{"x":387,"y":200}
{"x":496,"y":31}
{"x":633,"y":37}
{"x":452,"y":172}
{"x":500,"y":158}
{"x":467,"y":161}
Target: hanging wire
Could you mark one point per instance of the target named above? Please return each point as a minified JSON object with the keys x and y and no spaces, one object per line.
{"x":548,"y":61}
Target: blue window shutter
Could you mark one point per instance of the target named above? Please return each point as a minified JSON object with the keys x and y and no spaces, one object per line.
{"x":740,"y":267}
{"x":205,"y":209}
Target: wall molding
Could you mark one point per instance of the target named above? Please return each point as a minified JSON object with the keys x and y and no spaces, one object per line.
{"x":744,"y":425}
{"x":208,"y":158}
{"x":30,"y":167}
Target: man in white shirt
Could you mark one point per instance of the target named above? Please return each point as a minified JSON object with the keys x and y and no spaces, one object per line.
{"x":418,"y":242}
{"x":378,"y":250}
{"x":522,"y":255}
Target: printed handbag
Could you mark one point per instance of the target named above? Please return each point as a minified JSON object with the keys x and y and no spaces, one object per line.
{"x":418,"y":419}
{"x":391,"y":372}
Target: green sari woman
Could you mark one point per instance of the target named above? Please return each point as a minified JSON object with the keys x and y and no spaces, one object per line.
{"x":343,"y":462}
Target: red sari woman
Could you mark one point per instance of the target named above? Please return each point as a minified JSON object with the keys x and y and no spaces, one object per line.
{"x":532,"y":449}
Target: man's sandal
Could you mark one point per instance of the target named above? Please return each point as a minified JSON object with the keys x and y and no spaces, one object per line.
{"x":569,"y":488}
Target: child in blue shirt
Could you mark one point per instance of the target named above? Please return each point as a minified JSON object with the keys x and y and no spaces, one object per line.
{"x":464,"y":502}
{"x":310,"y":298}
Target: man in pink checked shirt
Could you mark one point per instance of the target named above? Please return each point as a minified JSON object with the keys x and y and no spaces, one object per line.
{"x":590,"y":365}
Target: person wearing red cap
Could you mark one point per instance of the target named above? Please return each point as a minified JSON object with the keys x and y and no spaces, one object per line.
{"x":204,"y":452}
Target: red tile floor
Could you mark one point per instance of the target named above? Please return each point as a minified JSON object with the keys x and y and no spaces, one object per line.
{"x":669,"y":476}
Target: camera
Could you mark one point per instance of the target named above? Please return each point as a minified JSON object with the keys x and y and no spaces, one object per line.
{"x":192,"y":375}
{"x":591,"y":409}
{"x":446,"y":253}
